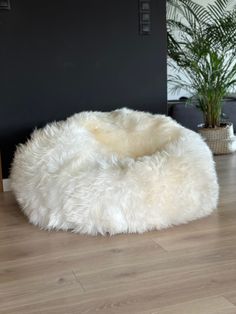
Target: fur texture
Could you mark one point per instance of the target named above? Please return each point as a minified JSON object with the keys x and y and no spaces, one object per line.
{"x":122,"y":171}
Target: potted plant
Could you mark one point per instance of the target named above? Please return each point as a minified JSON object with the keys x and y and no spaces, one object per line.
{"x":202,"y":56}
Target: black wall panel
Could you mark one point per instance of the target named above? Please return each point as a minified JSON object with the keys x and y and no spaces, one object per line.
{"x":61,"y":57}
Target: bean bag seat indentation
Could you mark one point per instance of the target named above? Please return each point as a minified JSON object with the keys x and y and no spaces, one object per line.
{"x":114,"y":172}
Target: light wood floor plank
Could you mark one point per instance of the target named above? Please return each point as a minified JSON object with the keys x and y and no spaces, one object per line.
{"x":186,"y":269}
{"x":202,"y":306}
{"x":231,"y":296}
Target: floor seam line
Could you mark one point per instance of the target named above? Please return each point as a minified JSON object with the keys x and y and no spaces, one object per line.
{"x":78,"y":281}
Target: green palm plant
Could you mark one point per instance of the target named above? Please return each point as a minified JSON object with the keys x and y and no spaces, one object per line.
{"x":202,"y":53}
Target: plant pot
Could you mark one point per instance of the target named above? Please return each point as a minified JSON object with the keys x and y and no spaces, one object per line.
{"x":221,"y":140}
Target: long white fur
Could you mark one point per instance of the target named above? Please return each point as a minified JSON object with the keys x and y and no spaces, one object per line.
{"x":114,"y":172}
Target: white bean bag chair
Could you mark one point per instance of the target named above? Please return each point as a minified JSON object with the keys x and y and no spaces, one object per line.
{"x":114,"y":172}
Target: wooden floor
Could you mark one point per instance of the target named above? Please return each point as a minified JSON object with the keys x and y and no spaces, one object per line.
{"x":190,"y":269}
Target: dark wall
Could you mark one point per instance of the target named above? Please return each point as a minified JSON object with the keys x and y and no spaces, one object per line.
{"x":61,"y":57}
{"x":190,"y":117}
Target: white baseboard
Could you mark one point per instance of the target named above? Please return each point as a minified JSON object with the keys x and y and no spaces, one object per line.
{"x":6,"y":185}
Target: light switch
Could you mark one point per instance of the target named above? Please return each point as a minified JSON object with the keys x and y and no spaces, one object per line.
{"x":145,"y":17}
{"x":146,"y":29}
{"x":145,"y":6}
{"x":5,"y":5}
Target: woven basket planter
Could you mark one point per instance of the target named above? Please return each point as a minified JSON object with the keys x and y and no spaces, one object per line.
{"x":221,"y":140}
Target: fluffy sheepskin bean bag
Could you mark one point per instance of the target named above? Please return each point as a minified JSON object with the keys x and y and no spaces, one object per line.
{"x":114,"y":172}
